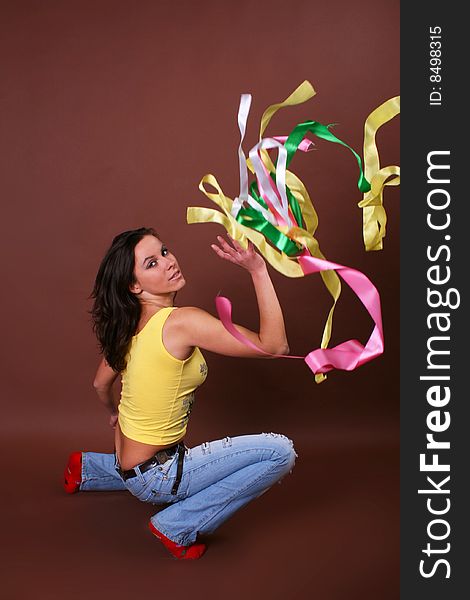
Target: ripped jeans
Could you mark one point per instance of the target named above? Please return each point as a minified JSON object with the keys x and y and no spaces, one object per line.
{"x":219,"y":478}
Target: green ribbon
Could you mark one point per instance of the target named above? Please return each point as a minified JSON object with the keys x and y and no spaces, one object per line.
{"x":254,"y":193}
{"x":296,"y":210}
{"x":321,"y":131}
{"x":250,"y":217}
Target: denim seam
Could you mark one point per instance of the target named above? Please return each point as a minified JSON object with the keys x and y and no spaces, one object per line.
{"x":84,"y":459}
{"x":221,"y":458}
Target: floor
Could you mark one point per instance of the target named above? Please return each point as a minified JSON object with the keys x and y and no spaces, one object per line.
{"x":329,"y":531}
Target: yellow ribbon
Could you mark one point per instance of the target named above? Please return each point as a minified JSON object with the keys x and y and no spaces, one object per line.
{"x":301,"y":94}
{"x":195,"y":214}
{"x":374,"y":218}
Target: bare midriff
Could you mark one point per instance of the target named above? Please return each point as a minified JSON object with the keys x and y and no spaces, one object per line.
{"x":131,"y":453}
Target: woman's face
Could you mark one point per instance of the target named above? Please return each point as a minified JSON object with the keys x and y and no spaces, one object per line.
{"x":156,"y":270}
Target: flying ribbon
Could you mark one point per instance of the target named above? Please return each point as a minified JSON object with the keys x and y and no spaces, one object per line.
{"x":277,"y":215}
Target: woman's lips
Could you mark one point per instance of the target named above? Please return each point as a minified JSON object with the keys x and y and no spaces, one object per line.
{"x":176,"y":275}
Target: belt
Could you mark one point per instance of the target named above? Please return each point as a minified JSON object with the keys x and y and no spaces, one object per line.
{"x":159,"y":458}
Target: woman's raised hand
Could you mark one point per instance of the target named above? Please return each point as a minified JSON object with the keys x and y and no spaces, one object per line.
{"x":248,"y":259}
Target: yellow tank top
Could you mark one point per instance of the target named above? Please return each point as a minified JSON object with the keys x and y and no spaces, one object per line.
{"x":158,"y":389}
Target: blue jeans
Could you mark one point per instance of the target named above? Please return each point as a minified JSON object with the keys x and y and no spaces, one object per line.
{"x":219,"y":478}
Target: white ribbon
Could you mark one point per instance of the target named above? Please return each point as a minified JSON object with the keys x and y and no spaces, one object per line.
{"x":265,"y":180}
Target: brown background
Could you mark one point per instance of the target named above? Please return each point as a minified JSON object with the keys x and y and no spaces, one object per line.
{"x":111,"y":113}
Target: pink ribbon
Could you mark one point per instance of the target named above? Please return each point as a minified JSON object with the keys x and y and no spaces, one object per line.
{"x":305,"y":145}
{"x":346,"y":356}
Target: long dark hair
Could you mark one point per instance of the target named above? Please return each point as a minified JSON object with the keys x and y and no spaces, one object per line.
{"x":116,"y":310}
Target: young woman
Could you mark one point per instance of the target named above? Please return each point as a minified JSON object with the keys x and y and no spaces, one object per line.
{"x":154,"y":346}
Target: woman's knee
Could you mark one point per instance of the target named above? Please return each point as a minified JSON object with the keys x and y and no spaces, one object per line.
{"x":284,"y":449}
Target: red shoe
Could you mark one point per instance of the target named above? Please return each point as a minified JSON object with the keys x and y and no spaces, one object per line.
{"x":73,"y":473}
{"x":182,"y":552}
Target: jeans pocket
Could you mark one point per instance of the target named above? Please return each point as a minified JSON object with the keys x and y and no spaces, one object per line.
{"x":162,"y":485}
{"x":141,"y":485}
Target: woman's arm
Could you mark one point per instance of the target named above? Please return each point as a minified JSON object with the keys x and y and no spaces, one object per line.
{"x":103,"y":384}
{"x":196,"y":327}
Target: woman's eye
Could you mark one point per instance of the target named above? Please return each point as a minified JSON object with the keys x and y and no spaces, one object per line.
{"x":164,"y":250}
{"x":151,"y":263}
